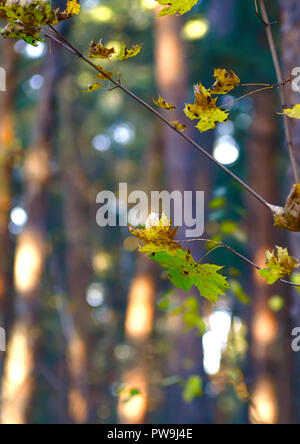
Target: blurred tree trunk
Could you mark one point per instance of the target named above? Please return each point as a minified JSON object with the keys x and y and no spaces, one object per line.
{"x":31,"y":255}
{"x":270,"y":358}
{"x":77,"y":229}
{"x":184,"y":169}
{"x":290,"y":29}
{"x":141,"y":309}
{"x":9,"y":63}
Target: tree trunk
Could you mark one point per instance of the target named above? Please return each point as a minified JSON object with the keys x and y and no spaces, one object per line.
{"x":9,"y":62}
{"x":290,"y":30}
{"x":79,"y":270}
{"x":271,"y":393}
{"x":184,"y":169}
{"x":30,"y":257}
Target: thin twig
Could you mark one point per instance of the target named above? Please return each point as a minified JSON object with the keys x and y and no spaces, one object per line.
{"x":236,"y":253}
{"x":283,"y":96}
{"x":66,"y":44}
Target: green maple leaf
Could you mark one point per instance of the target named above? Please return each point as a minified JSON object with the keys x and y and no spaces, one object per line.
{"x":185,"y":273}
{"x":278,"y":267}
{"x":176,"y":6}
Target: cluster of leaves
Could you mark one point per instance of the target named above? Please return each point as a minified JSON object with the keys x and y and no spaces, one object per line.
{"x":183,"y":271}
{"x":205,"y":108}
{"x":26,"y":18}
{"x":100,"y":51}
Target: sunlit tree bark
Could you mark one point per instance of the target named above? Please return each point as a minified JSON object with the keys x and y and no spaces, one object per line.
{"x":140,"y":310}
{"x":270,"y":358}
{"x":184,"y":170}
{"x":7,"y":153}
{"x":30,"y":258}
{"x":77,"y":229}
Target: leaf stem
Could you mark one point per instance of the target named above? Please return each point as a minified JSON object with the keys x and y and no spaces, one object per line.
{"x":236,"y":253}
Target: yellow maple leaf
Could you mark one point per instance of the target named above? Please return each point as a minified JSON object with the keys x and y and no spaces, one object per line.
{"x":158,"y":235}
{"x":205,"y":109}
{"x":293,"y":113}
{"x":163,"y":104}
{"x":73,"y":7}
{"x":93,"y":87}
{"x":176,"y":6}
{"x":280,"y":266}
{"x":98,"y":50}
{"x":210,"y":118}
{"x":128,"y":53}
{"x":179,"y":125}
{"x":225,"y":81}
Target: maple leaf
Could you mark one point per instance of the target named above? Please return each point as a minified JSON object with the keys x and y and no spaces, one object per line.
{"x":93,"y":87}
{"x":179,"y":125}
{"x":225,"y":81}
{"x":176,"y":6}
{"x":205,"y":110}
{"x":289,"y":216}
{"x":128,"y":53}
{"x":210,"y":118}
{"x":185,"y":273}
{"x":73,"y":7}
{"x":163,"y":104}
{"x":280,"y":266}
{"x":158,"y":239}
{"x":293,"y":113}
{"x":158,"y":235}
{"x":98,"y":50}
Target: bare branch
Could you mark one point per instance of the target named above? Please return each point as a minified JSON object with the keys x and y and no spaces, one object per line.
{"x":283,"y":96}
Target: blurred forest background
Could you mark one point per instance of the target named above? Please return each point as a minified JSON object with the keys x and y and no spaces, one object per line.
{"x":93,"y":333}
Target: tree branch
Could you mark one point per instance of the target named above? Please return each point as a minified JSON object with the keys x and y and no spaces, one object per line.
{"x":236,"y":253}
{"x":61,"y":40}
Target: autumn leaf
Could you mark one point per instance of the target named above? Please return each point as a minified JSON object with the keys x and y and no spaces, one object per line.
{"x":98,"y":50}
{"x":205,"y":109}
{"x":225,"y":81}
{"x":128,"y":53}
{"x":158,"y":238}
{"x":185,"y":273}
{"x":93,"y":87}
{"x":209,"y":119}
{"x":158,"y":235}
{"x":26,"y":18}
{"x":293,"y":113}
{"x":179,"y":125}
{"x":163,"y":104}
{"x":288,"y":217}
{"x":176,"y":6}
{"x":278,"y":267}
{"x":73,"y":7}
